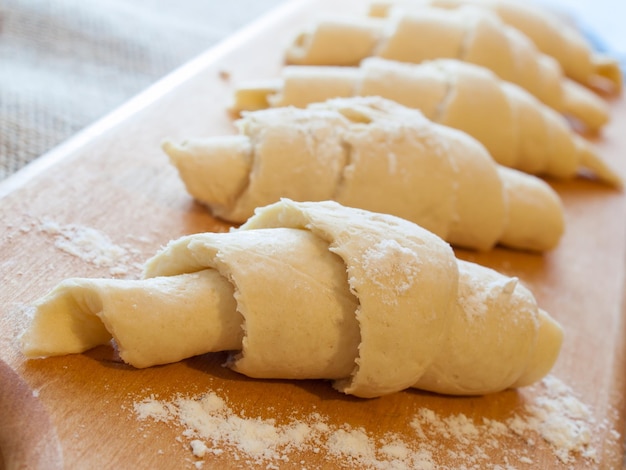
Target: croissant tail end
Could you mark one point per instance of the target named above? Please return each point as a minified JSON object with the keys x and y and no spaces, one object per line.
{"x":546,"y":352}
{"x":590,"y":161}
{"x":63,"y":325}
{"x":608,"y":69}
{"x":584,"y":106}
{"x":254,"y":96}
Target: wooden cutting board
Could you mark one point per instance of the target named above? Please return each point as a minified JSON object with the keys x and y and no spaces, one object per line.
{"x":112,"y":186}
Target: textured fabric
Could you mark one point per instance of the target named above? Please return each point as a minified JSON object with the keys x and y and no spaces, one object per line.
{"x":65,"y":63}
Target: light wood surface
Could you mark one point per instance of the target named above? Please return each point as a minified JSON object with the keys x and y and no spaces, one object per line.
{"x":76,"y":411}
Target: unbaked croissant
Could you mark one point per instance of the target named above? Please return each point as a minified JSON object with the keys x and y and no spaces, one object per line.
{"x":469,"y":34}
{"x":517,"y":129}
{"x":549,"y":33}
{"x":374,"y":154}
{"x":314,"y":291}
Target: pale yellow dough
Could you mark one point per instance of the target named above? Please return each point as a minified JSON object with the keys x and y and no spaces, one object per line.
{"x":467,"y":33}
{"x":518,"y":130}
{"x":314,"y":290}
{"x":549,"y":32}
{"x":374,"y":154}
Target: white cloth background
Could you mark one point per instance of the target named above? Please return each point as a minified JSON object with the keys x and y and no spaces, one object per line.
{"x":66,"y":63}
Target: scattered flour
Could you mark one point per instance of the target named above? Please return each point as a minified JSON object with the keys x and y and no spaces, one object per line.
{"x":92,"y":246}
{"x":390,"y":260}
{"x":562,"y":420}
{"x":555,"y":415}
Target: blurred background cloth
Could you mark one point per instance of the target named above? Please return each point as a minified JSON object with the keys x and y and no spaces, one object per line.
{"x":66,"y":63}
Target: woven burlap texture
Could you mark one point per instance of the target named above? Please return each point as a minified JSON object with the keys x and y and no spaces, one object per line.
{"x":66,"y":63}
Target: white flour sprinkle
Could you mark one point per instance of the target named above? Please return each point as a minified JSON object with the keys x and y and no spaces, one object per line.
{"x":562,"y":420}
{"x":390,"y":260}
{"x":92,"y":246}
{"x":554,"y":414}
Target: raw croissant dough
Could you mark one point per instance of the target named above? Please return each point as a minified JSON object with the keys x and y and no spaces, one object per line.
{"x":470,"y":34}
{"x":518,"y":130}
{"x":314,"y":290}
{"x":374,"y":154}
{"x":549,"y":33}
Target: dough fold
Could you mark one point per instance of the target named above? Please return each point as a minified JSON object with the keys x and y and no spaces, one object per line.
{"x":467,"y":33}
{"x":518,"y":130}
{"x":377,"y":155}
{"x":313,"y":290}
